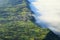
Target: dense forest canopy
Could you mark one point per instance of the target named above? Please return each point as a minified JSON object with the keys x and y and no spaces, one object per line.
{"x":16,"y":24}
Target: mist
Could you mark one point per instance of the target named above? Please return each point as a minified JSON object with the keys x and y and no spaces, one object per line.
{"x":47,"y":14}
{"x":3,"y":3}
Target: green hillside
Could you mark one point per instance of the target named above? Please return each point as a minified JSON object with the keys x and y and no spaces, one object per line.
{"x":16,"y":22}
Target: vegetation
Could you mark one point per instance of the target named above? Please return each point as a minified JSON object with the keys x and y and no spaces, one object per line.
{"x":16,"y":24}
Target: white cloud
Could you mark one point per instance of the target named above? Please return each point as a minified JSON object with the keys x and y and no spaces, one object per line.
{"x":49,"y":11}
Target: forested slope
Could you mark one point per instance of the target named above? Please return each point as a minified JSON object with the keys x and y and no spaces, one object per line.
{"x":16,"y":24}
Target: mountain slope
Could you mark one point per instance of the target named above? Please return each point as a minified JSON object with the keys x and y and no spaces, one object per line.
{"x":16,"y":24}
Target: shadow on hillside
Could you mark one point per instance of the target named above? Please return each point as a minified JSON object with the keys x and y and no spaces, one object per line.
{"x":51,"y":36}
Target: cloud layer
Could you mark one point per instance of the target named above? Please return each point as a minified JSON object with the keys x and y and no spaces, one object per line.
{"x":47,"y":13}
